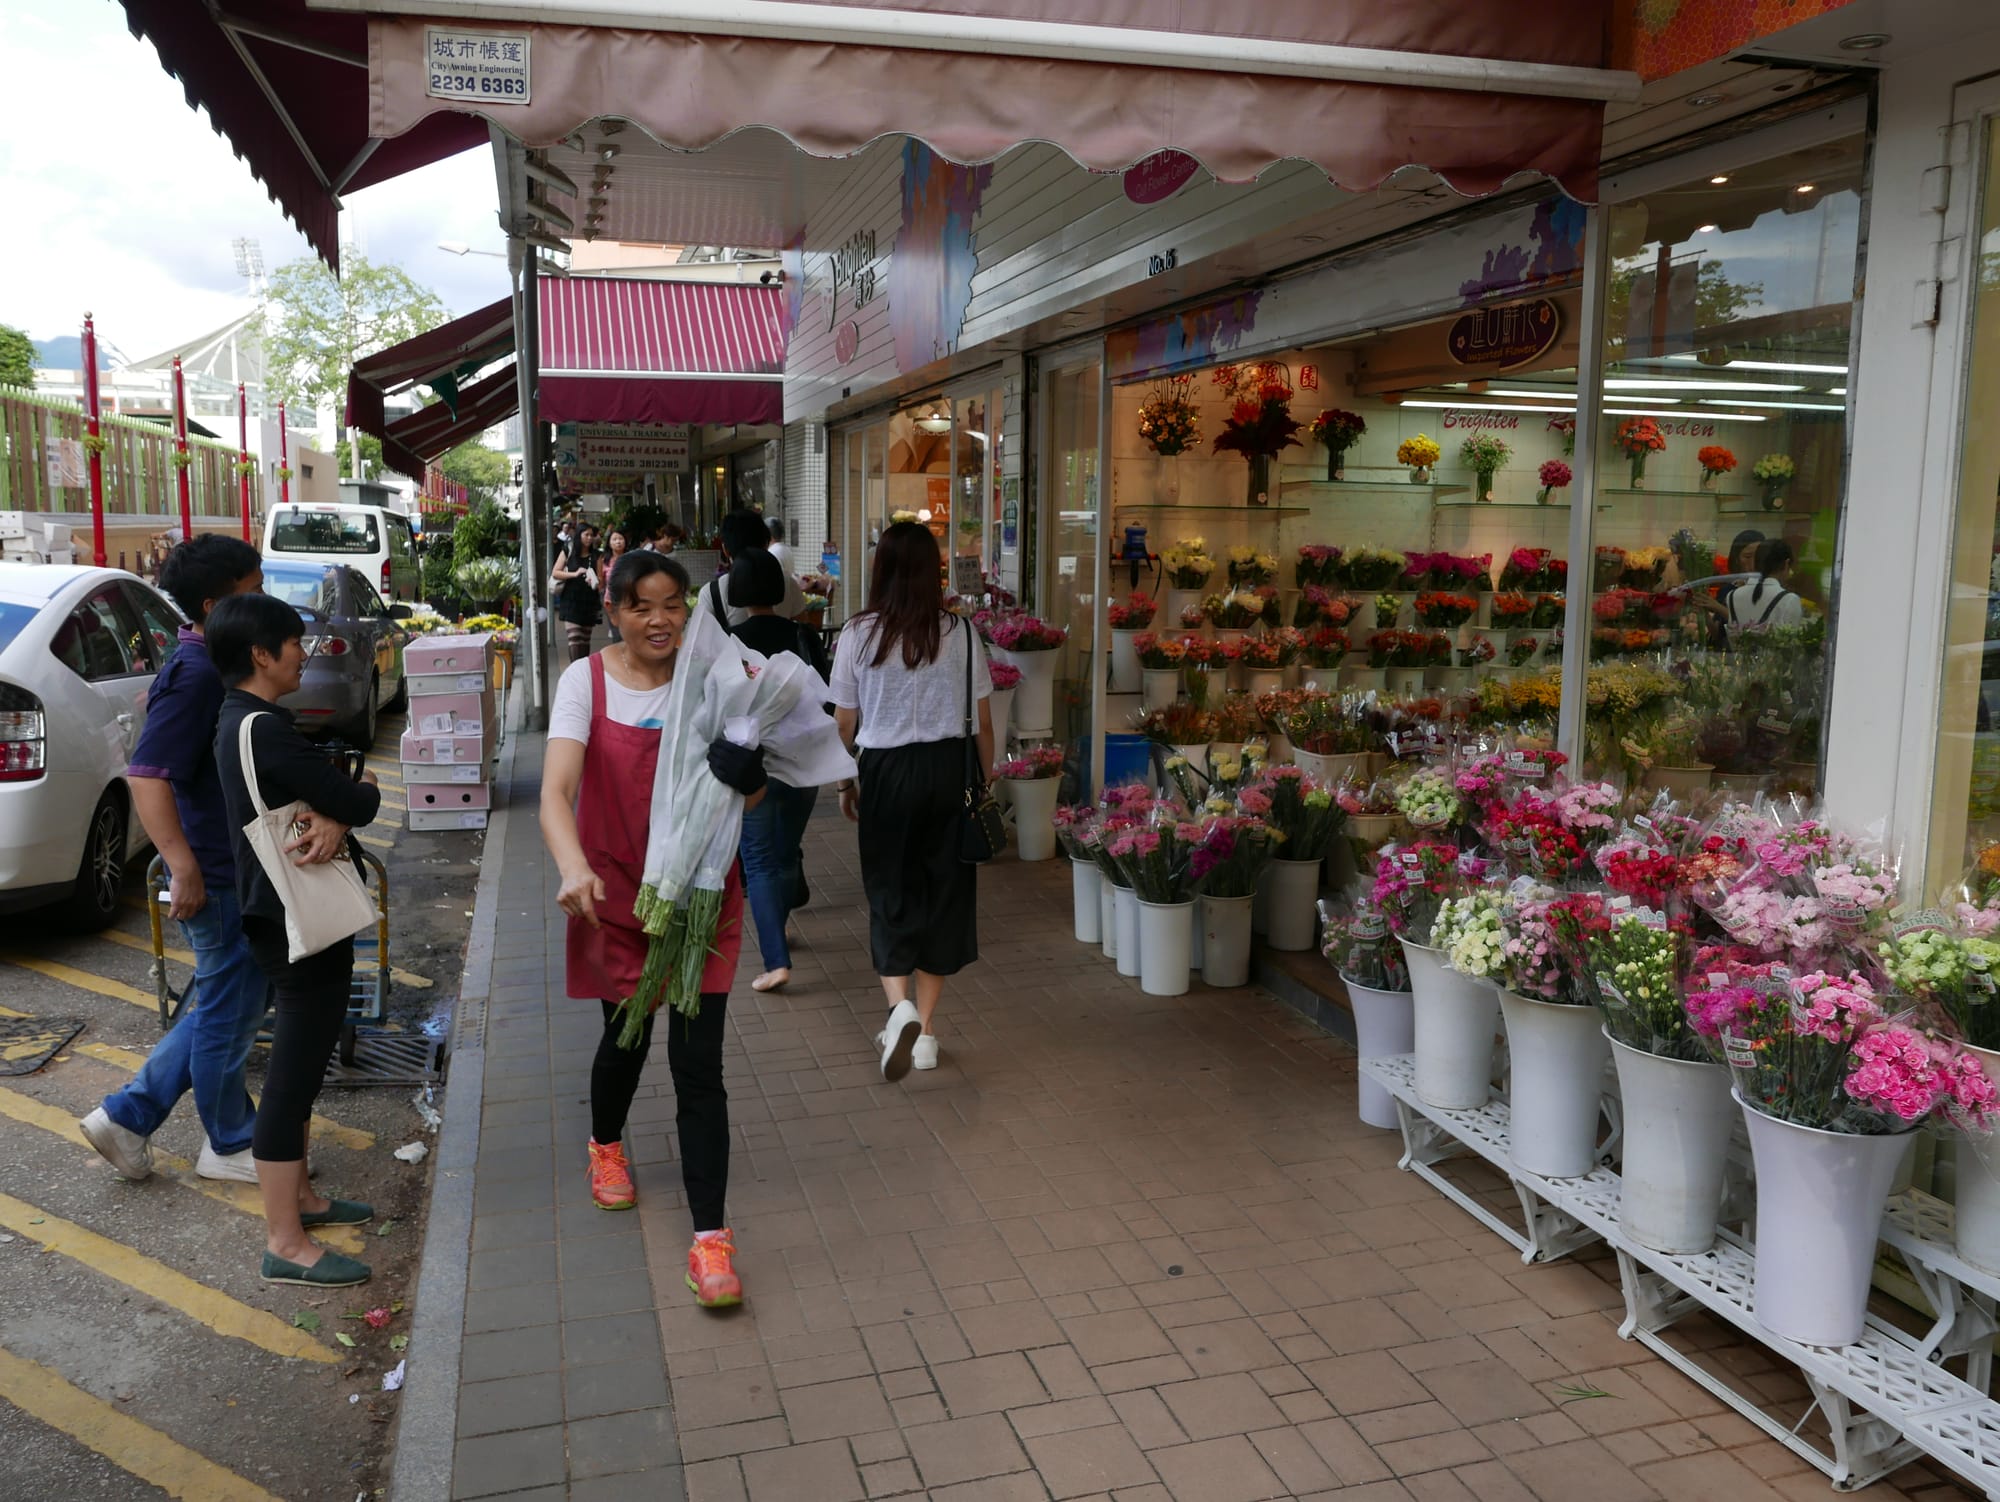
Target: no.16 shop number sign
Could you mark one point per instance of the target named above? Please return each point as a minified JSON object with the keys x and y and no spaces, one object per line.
{"x":489,"y":66}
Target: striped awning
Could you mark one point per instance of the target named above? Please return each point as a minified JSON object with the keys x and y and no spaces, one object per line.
{"x":410,"y":442}
{"x":620,"y":350}
{"x":444,"y":359}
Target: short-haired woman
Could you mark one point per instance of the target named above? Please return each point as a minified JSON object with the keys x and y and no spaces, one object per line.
{"x":900,"y":690}
{"x":256,"y":643}
{"x":605,"y":731}
{"x":774,"y":832}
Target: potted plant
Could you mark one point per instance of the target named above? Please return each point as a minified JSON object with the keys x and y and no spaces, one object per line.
{"x":1485,"y":455}
{"x":1337,"y":431}
{"x":1071,"y":821}
{"x":1160,"y":658}
{"x":1006,"y":678}
{"x":1033,"y":779}
{"x":1303,"y":819}
{"x":487,"y":582}
{"x":1229,"y":857}
{"x":1156,"y":860}
{"x":1029,"y":643}
{"x":1318,"y":564}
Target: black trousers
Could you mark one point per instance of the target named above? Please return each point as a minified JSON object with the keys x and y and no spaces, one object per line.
{"x":922,"y":899}
{"x":701,"y":1104}
{"x":311,"y":999}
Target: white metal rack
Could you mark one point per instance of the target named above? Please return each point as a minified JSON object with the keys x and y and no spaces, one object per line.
{"x":1886,"y":1399}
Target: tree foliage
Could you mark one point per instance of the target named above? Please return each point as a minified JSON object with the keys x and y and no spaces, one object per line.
{"x":17,"y":357}
{"x":483,"y":533}
{"x":481,"y":470}
{"x":1718,"y":301}
{"x":325,"y":324}
{"x":371,"y":458}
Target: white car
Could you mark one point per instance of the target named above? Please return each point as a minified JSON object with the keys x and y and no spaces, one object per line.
{"x":78,"y":651}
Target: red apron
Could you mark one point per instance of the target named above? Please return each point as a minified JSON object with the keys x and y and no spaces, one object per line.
{"x":613,"y":812}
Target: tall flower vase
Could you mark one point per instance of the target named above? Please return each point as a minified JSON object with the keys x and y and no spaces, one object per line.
{"x":1260,"y":480}
{"x":1336,"y":464}
{"x":1086,"y":884}
{"x":1159,"y":687}
{"x":1978,"y":1196}
{"x":1124,"y":663}
{"x":1166,"y":947}
{"x":1458,"y":1019}
{"x":1557,"y":1054}
{"x":1107,"y":915}
{"x":1001,"y":707}
{"x":1678,"y":1119}
{"x":1034,"y":800}
{"x":1819,"y":1211}
{"x":1482,"y":484}
{"x":1638,"y":470}
{"x":1225,"y":941}
{"x":1034,"y":695}
{"x":1291,"y":898}
{"x":1774,"y":495}
{"x":1177,"y":601}
{"x":1125,"y":905}
{"x":1385,"y":1024}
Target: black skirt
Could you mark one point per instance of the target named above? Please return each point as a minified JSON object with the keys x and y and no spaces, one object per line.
{"x":922,"y":899}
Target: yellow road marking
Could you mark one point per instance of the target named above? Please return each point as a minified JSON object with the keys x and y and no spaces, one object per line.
{"x":242,"y":1198}
{"x":133,"y":1447}
{"x":369,"y":839}
{"x":117,"y":990}
{"x":184,"y":957}
{"x":217,"y":1310}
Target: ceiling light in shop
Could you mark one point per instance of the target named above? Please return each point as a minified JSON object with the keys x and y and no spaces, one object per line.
{"x":1866,"y":41}
{"x":1719,"y":179}
{"x":1706,"y":229}
{"x":1703,"y":101}
{"x":1634,"y":383}
{"x":935,"y":420}
{"x":1487,"y":406}
{"x":1805,"y":188}
{"x":1774,"y":365}
{"x":1836,"y":391}
{"x":1703,"y":417}
{"x":1790,"y":406}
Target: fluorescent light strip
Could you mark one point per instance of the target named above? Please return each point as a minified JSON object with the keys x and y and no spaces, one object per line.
{"x":1484,"y":406}
{"x":1789,"y":406}
{"x":1688,"y":416}
{"x":1625,"y":383}
{"x":1769,"y":365}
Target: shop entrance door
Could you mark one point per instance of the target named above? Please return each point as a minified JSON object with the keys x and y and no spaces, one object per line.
{"x":1067,"y":571}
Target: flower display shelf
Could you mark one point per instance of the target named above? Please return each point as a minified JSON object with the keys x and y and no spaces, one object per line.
{"x":1402,"y":486}
{"x":1191,"y":507}
{"x":1886,"y":1399}
{"x":1665,"y":493}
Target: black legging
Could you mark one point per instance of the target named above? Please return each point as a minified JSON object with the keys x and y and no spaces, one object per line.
{"x":701,"y":1104}
{"x":311,"y":1000}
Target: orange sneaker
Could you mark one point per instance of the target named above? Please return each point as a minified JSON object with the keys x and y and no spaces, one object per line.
{"x":711,"y":1272}
{"x":610,"y":1176}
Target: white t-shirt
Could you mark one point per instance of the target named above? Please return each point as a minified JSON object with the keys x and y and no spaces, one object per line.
{"x":1748,"y":604}
{"x":782,"y":551}
{"x":902,"y":706}
{"x":569,"y":713}
{"x":792,"y":606}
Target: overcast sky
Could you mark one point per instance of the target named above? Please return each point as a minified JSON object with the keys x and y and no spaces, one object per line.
{"x":125,"y":203}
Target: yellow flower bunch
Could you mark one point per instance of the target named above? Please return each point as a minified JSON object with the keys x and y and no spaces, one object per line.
{"x":1647,"y":558}
{"x":1420,"y":452}
{"x":1187,"y":563}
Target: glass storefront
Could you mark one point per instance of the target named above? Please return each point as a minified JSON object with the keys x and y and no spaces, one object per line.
{"x":1066,"y":560}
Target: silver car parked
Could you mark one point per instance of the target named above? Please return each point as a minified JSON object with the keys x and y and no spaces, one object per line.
{"x":354,"y":648}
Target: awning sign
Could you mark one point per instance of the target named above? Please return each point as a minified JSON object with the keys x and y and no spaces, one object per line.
{"x":489,"y":66}
{"x":1506,"y":337}
{"x":621,"y":448}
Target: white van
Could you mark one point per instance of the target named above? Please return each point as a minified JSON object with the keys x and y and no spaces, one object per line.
{"x":372,"y":539}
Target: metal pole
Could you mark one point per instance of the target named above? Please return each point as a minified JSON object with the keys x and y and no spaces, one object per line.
{"x":1100,"y":573}
{"x":285,"y":460}
{"x":93,"y":428}
{"x":534,"y":511}
{"x":243,"y":452}
{"x":1583,"y":488}
{"x":181,"y":449}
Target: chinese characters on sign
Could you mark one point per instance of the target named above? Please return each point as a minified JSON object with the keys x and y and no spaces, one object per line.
{"x":1505,"y":338}
{"x":489,"y":66}
{"x":611,"y":457}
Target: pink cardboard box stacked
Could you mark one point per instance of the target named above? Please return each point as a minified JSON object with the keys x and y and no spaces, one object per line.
{"x":454,"y":727}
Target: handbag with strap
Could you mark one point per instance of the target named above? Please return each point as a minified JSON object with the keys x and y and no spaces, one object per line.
{"x":325,"y":902}
{"x":982,"y":834}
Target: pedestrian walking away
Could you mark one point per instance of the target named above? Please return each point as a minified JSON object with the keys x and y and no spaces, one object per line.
{"x":900,"y":694}
{"x":605,"y":731}
{"x":177,"y":794}
{"x":574,"y":578}
{"x":617,"y":542}
{"x":265,"y":763}
{"x":745,"y":532}
{"x":774,"y":832}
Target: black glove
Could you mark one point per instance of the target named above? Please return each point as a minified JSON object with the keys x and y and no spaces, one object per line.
{"x":739,"y":768}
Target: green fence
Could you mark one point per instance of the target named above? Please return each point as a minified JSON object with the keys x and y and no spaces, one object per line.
{"x":140,"y":478}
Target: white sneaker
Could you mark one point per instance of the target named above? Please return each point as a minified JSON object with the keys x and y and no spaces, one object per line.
{"x":898,"y":1039}
{"x":128,"y":1152}
{"x":924,"y":1055}
{"x":238,"y":1167}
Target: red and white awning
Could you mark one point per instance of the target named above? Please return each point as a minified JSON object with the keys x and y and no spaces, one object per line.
{"x":448,"y":356}
{"x":620,"y":350}
{"x":411,"y":442}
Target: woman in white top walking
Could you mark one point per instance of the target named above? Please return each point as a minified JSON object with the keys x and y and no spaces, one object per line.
{"x":900,"y":694}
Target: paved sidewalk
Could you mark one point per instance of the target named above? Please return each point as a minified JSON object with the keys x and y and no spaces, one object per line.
{"x":1114,"y":1246}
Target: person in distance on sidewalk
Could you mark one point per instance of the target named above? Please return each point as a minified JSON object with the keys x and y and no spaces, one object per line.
{"x":900,"y":693}
{"x":604,"y":744}
{"x":177,"y":794}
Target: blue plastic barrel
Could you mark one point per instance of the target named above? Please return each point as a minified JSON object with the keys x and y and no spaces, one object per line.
{"x":1127,"y":758}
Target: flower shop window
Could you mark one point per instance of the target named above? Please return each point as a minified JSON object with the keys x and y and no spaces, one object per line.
{"x":1722,"y":466}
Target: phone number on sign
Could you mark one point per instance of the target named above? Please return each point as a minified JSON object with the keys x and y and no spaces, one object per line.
{"x":467,"y":83}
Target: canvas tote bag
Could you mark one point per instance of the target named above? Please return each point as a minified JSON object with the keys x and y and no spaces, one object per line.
{"x":323,"y":903}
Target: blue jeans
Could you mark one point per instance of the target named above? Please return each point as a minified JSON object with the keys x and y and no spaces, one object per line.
{"x":208,"y":1045}
{"x":773,"y":869}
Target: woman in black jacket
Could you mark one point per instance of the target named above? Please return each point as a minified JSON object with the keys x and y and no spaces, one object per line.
{"x":256,"y":642}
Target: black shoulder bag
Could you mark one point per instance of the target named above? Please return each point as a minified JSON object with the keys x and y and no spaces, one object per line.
{"x":981,"y":832}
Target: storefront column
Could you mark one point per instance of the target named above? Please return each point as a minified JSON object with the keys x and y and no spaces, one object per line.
{"x":1100,"y":574}
{"x":534,"y":505}
{"x":1583,"y":487}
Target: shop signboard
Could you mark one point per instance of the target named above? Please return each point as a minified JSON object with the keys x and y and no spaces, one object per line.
{"x":612,"y":457}
{"x":1506,"y":337}
{"x":490,"y":67}
{"x":829,"y":560}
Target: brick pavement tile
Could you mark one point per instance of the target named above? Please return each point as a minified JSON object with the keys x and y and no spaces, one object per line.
{"x":507,"y":1462}
{"x":809,"y":1371}
{"x":614,"y":1387}
{"x":965,"y":1449}
{"x":1073,"y":1270}
{"x":1149,"y":1371}
{"x":939,"y":1339}
{"x":1062,"y":1372}
{"x":1586,"y":1342}
{"x":1566,"y":1287}
{"x":890,"y":1478}
{"x":832,"y":1410}
{"x":1064,"y":1306}
{"x":1226,"y":1345}
{"x":733,"y":1439}
{"x":1696,"y":1478}
{"x":1008,"y":1327}
{"x":528,"y":1402}
{"x":622,"y":1442}
{"x":1360,"y":1325}
{"x":511,"y":1228}
{"x":1059,"y":1417}
{"x":1281,"y":1379}
{"x":1148,"y":1419}
{"x":824,"y":1472}
{"x":1077,"y":1462}
{"x":607,"y":1293}
{"x":1295,"y":1461}
{"x":1408,"y":1422}
{"x":1303,"y":1407}
{"x":1432,"y":1452}
{"x":507,"y":1267}
{"x":1214,"y":1406}
{"x":510,"y":1353}
{"x":988,"y":1384}
{"x":1128,"y":1335}
{"x":1560,"y":1473}
{"x":630,"y":1486}
{"x":1463,"y":1283}
{"x":924,"y":1408}
{"x":909,"y":1383}
{"x":1636,"y":1447}
{"x":1438,"y":1486}
{"x":715,"y":1481}
{"x":591,"y":1255}
{"x":1110,"y":1300}
{"x":1217,"y":1470}
{"x":1346,"y":1454}
{"x":1302,"y":1348}
{"x":1479,"y":1392}
{"x":1358,"y":1275}
{"x":1018,"y":1486}
{"x":1364,"y":1382}
{"x":884,"y":1444}
{"x":491,"y":1309}
{"x":1530,"y":1361}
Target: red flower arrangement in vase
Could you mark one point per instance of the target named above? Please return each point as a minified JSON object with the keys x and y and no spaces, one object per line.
{"x":1260,"y":425}
{"x":1715,"y":461}
{"x":1639,"y":438}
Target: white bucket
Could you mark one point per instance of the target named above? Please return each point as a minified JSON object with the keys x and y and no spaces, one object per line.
{"x":1125,"y":904}
{"x":1225,"y":941}
{"x":1385,"y":1024}
{"x":1678,"y":1119}
{"x":1457,"y":1020}
{"x":1558,"y":1055}
{"x":1086,"y":884}
{"x":1107,"y":915}
{"x":1034,"y":800}
{"x":1291,"y":893}
{"x":1166,"y":947}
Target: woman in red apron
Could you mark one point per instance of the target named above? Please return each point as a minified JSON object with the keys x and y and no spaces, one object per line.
{"x":597,"y":784}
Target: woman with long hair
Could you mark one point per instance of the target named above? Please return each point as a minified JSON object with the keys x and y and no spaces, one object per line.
{"x":605,"y":733}
{"x":616,"y":543}
{"x":901,"y":694}
{"x":575,"y":578}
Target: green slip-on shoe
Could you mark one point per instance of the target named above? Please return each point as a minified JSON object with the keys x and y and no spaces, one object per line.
{"x":338,"y":1213}
{"x":331,"y":1271}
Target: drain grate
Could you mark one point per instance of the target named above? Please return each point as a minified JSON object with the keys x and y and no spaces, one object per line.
{"x":469,"y":1030}
{"x":382,"y":1058}
{"x":27,"y":1043}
